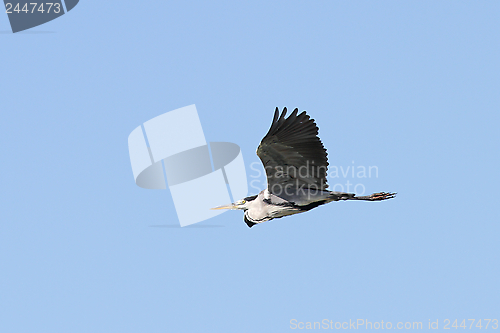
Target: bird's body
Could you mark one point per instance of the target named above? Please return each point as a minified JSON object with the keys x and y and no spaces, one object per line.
{"x":296,"y":165}
{"x":267,"y":206}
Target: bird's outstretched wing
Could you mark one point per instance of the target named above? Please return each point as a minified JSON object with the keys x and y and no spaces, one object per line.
{"x":293,"y":154}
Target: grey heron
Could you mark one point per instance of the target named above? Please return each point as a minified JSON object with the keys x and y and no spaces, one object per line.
{"x":296,"y":163}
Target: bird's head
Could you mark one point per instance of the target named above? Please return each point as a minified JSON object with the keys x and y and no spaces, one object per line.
{"x":240,"y":204}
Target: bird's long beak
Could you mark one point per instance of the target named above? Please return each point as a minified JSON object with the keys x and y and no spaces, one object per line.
{"x":231,"y":206}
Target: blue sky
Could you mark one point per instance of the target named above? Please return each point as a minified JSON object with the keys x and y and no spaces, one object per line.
{"x":409,"y":87}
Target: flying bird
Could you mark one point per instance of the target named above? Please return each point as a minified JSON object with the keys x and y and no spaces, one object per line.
{"x":296,"y":163}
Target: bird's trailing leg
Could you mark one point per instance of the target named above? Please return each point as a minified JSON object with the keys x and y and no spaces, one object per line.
{"x":372,"y":197}
{"x":376,"y":196}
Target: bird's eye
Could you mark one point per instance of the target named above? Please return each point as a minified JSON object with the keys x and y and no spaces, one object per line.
{"x":243,"y":201}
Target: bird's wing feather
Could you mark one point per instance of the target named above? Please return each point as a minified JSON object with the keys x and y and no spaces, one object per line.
{"x":293,"y":154}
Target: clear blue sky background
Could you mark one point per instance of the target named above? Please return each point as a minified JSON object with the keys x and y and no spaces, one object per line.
{"x":411,"y":87}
